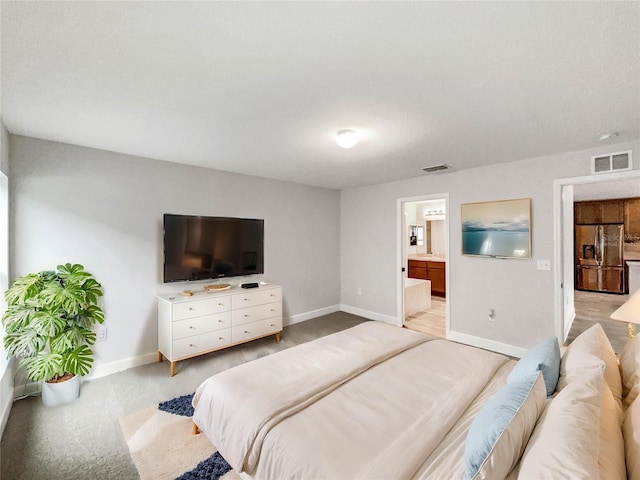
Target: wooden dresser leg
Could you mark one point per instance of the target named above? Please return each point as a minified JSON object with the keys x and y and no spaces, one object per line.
{"x":159,"y":357}
{"x":173,"y":368}
{"x":278,"y":337}
{"x":195,"y":430}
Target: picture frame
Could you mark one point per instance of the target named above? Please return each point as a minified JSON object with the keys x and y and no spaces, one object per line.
{"x":497,"y":229}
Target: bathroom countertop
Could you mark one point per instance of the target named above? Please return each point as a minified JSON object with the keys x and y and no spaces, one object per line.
{"x":427,"y":258}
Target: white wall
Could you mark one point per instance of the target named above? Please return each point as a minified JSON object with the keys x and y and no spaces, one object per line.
{"x":6,"y":377}
{"x":104,"y":210}
{"x":521,"y":295}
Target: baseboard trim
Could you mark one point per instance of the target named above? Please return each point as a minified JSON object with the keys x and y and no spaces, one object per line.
{"x":486,"y":344}
{"x":303,"y":317}
{"x":370,"y":315}
{"x":569,"y":324}
{"x":109,"y":368}
{"x":6,"y":397}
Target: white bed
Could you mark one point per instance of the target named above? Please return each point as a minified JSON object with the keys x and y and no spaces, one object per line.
{"x":374,"y":401}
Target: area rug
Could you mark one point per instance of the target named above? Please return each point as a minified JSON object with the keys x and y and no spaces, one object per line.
{"x":162,"y":445}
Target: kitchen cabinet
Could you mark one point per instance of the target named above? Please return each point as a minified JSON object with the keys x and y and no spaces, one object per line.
{"x":632,"y":220}
{"x":605,"y":211}
{"x":430,"y":270}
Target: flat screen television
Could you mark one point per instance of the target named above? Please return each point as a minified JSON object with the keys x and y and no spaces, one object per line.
{"x":201,"y":248}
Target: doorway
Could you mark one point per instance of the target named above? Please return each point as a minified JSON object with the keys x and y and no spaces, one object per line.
{"x":423,"y":266}
{"x":576,"y":310}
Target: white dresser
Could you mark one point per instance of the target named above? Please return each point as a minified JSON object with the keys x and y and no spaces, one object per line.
{"x":210,"y":321}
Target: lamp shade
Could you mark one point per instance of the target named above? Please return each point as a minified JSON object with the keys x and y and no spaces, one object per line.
{"x":629,"y":312}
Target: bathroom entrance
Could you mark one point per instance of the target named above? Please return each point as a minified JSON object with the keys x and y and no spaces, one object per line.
{"x":424,"y":242}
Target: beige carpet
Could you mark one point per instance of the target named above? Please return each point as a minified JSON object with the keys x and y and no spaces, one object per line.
{"x":162,"y":445}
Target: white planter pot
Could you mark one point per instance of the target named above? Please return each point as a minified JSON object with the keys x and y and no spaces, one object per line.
{"x":54,"y":394}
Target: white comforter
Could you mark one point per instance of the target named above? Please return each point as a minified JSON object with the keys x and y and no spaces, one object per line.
{"x":374,"y":401}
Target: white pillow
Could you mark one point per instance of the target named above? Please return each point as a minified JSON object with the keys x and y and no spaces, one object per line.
{"x":591,"y":348}
{"x":611,"y":454}
{"x":631,"y":433}
{"x":565,"y":442}
{"x":630,"y":369}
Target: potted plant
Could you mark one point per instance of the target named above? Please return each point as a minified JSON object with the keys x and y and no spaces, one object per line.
{"x":48,"y":325}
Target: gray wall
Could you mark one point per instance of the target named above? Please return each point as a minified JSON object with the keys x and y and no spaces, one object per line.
{"x":4,"y":149}
{"x":104,"y":210}
{"x":521,"y":295}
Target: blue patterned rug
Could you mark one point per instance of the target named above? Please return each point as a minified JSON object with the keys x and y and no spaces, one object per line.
{"x":213,"y":467}
{"x":163,"y":448}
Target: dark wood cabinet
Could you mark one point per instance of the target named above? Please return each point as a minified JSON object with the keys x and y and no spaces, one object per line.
{"x":632,"y":220}
{"x":433,"y":271}
{"x":606,"y":211}
{"x":418,"y":269}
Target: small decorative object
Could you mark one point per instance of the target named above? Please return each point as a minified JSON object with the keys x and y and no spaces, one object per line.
{"x":497,"y":229}
{"x":187,"y":293}
{"x":217,"y":287}
{"x":48,"y":325}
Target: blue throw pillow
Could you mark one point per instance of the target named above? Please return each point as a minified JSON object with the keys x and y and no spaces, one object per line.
{"x":500,"y":431}
{"x":544,"y":357}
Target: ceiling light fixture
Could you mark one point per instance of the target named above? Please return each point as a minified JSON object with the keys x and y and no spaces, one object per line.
{"x":607,"y":136}
{"x":346,"y":138}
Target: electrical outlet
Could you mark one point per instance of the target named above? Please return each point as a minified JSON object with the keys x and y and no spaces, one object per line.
{"x":101,"y":334}
{"x":544,"y":264}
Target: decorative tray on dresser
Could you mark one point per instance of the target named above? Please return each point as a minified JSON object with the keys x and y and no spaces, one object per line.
{"x":206,"y":321}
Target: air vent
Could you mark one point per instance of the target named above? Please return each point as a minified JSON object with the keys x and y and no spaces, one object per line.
{"x":436,"y":168}
{"x":612,"y":162}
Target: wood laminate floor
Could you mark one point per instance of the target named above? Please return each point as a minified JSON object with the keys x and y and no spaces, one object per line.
{"x":594,"y":307}
{"x":432,"y":321}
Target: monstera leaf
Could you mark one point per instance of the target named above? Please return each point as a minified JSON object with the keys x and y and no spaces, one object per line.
{"x":48,"y":321}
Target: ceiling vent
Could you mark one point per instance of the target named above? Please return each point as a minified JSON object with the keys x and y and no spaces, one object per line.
{"x":436,"y":168}
{"x":612,"y":162}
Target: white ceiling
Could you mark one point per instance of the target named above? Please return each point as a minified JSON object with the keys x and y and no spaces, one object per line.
{"x":259,"y":88}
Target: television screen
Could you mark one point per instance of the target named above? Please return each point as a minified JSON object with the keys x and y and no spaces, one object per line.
{"x":200,"y":248}
{"x":497,"y":229}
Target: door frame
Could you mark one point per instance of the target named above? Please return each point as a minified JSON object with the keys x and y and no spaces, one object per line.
{"x":559,"y":240}
{"x":401,"y":253}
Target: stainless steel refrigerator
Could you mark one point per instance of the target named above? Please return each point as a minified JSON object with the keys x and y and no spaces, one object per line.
{"x":599,"y":263}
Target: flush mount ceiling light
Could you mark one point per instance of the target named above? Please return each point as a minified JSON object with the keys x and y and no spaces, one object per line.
{"x":607,"y":136}
{"x":346,"y":138}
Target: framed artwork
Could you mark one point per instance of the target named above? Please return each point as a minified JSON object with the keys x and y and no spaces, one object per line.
{"x":499,"y":229}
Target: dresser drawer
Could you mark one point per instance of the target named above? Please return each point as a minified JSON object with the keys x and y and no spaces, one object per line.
{"x":257,"y":297}
{"x":198,"y":325}
{"x":198,"y":308}
{"x":190,"y":346}
{"x":256,"y":329}
{"x":252,"y":314}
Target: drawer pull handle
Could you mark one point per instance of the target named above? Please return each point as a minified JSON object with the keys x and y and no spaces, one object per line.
{"x":246,"y":299}
{"x":272,"y":325}
{"x":246,"y":331}
{"x":220,"y":338}
{"x":221,"y":304}
{"x":192,"y":345}
{"x":191,"y":327}
{"x":273,"y":309}
{"x":245,"y":315}
{"x":272,"y":295}
{"x":191,"y":308}
{"x":220,"y":321}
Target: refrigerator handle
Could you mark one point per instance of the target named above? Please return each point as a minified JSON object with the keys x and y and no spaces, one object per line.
{"x":596,"y":242}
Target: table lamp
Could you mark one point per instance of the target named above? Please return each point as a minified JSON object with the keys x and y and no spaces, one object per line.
{"x":629,"y":312}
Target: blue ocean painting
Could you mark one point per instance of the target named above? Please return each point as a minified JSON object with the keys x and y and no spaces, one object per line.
{"x":495,"y":243}
{"x":492,"y":233}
